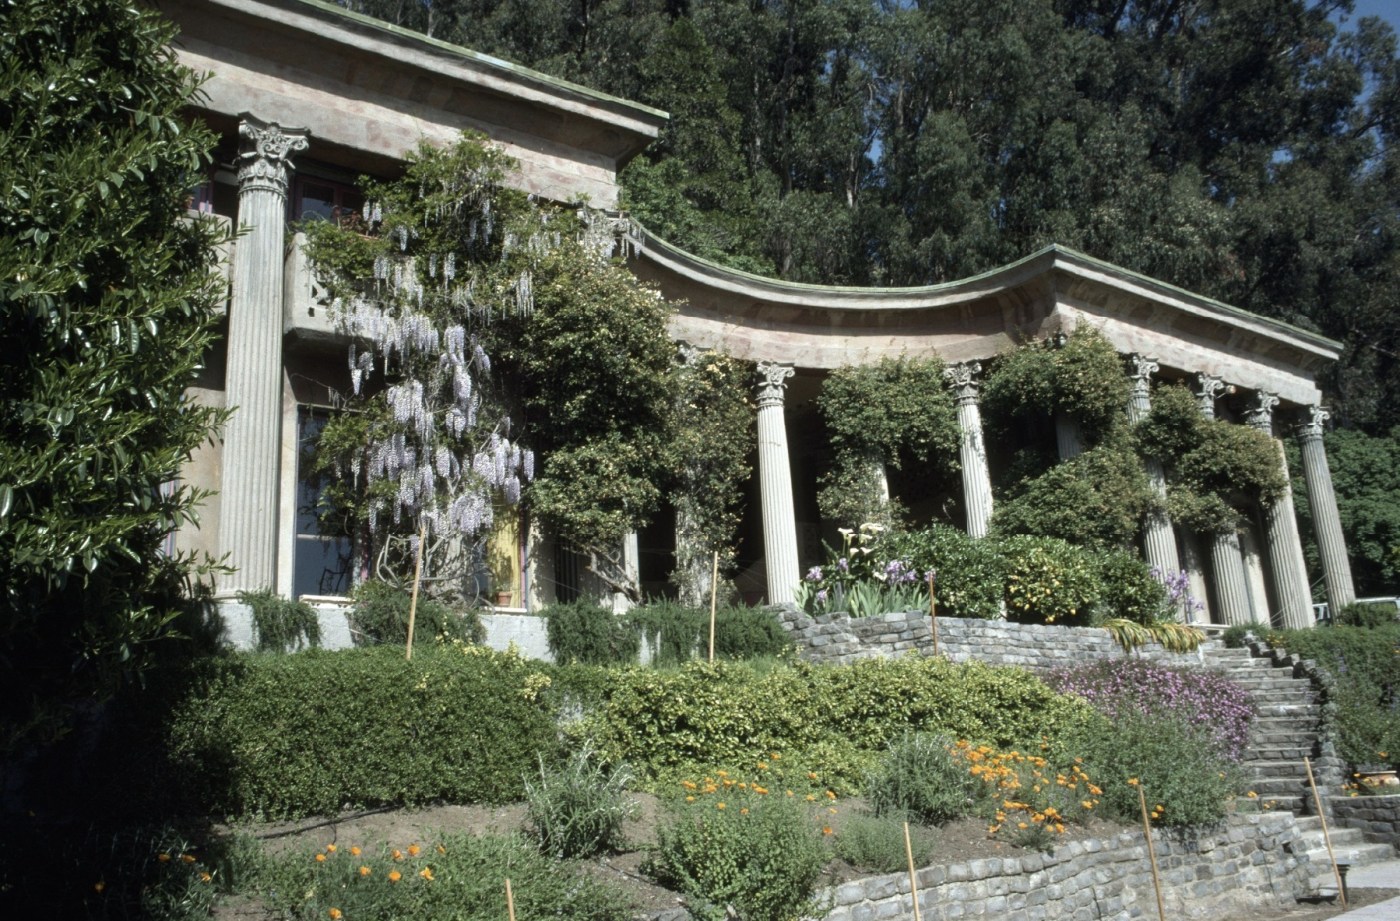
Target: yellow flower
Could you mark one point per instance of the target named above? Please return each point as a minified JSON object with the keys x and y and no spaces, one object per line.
{"x":335,"y":914}
{"x":826,"y":829}
{"x":744,"y":811}
{"x":811,"y":775}
{"x":330,"y":848}
{"x":830,"y":795}
{"x":365,"y":871}
{"x":397,"y":854}
{"x":395,"y":876}
{"x":441,"y":849}
{"x":690,"y":799}
{"x":1252,"y":795}
{"x":354,"y":852}
{"x":320,"y":858}
{"x":719,"y":805}
{"x":187,"y":858}
{"x":413,"y":850}
{"x":99,"y":886}
{"x":426,"y":873}
{"x":1087,"y":804}
{"x":1132,"y":781}
{"x":163,"y":858}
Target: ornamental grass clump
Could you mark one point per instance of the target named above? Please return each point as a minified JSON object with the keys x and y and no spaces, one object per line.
{"x":919,"y":778}
{"x":1207,"y":701}
{"x":738,"y":848}
{"x":576,"y":809}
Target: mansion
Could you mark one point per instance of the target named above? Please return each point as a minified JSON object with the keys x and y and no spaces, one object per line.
{"x":307,"y":97}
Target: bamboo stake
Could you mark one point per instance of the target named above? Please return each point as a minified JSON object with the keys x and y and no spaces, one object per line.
{"x":932,"y":614}
{"x":510,"y":901}
{"x":417,"y":578}
{"x":1151,"y":853}
{"x":714,"y":597}
{"x":1326,"y":837}
{"x":913,"y":883}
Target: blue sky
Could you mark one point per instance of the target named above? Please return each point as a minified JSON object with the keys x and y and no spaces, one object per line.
{"x":1389,"y":10}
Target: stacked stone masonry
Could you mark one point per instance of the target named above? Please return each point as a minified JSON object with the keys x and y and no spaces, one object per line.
{"x":1376,"y":817}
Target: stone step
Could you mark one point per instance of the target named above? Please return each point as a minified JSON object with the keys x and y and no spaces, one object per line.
{"x":1355,"y":854}
{"x":1294,"y":750}
{"x":1267,"y":787}
{"x":1285,"y":767}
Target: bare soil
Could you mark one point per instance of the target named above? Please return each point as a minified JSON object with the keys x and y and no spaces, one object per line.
{"x":957,"y":841}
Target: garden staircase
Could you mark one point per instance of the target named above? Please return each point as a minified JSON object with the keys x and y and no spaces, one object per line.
{"x":1288,"y":727}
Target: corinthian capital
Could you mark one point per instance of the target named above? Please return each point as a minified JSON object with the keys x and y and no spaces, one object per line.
{"x":1314,"y":422}
{"x":773,"y":378}
{"x":1208,"y":388}
{"x":1260,"y":413}
{"x":964,"y":380}
{"x":265,"y":153}
{"x":1140,"y":369}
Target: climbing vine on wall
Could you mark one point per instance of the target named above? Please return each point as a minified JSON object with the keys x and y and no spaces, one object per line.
{"x":897,"y":413}
{"x":1215,"y":469}
{"x":715,"y":434}
{"x":1079,"y":376}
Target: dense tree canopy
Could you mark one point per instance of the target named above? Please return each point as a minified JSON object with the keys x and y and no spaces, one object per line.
{"x":1240,"y":148}
{"x":107,"y":301}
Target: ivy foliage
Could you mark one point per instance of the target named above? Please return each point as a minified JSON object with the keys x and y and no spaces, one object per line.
{"x":897,"y":413}
{"x":107,"y":301}
{"x":714,"y":437}
{"x":1097,"y":499}
{"x":1215,"y":469}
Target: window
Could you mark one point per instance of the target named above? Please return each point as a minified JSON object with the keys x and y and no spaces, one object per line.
{"x":325,"y":200}
{"x":322,"y":562}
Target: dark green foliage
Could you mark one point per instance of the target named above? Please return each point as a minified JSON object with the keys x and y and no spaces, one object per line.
{"x":380,"y":616}
{"x":282,"y":624}
{"x":919,"y":778}
{"x":1049,"y":581}
{"x":898,"y":413}
{"x":107,"y":306}
{"x":313,"y":733}
{"x":969,"y":573}
{"x":1366,"y":475}
{"x":1360,"y":614}
{"x":1366,"y":668}
{"x":1127,"y":589}
{"x":587,"y":633}
{"x":1079,"y":376}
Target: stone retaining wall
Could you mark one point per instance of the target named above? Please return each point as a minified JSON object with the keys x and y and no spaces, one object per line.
{"x":1378,"y":817}
{"x":1252,"y":861}
{"x":841,"y":638}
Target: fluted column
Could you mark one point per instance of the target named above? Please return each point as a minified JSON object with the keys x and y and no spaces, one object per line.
{"x":253,"y":383}
{"x":1332,"y":546}
{"x":1226,"y":559}
{"x":1158,"y":541}
{"x":977,"y":480}
{"x":775,"y":484}
{"x":1283,"y":544}
{"x":1194,"y":562}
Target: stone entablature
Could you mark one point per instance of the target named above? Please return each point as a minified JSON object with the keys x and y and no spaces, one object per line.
{"x":368,"y":92}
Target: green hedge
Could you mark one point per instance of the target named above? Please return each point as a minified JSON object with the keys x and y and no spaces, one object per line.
{"x":315,"y":732}
{"x":831,"y":720}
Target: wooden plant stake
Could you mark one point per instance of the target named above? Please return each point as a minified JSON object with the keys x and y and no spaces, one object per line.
{"x":1326,"y":837}
{"x":417,"y":578}
{"x":1151,"y":853}
{"x":510,"y":901}
{"x":714,"y":597}
{"x":932,"y":614}
{"x":913,"y":883}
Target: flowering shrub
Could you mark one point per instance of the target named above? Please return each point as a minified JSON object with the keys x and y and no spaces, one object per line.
{"x":733,"y":845}
{"x":1030,"y":799}
{"x":1211,"y":703}
{"x":863,"y":579}
{"x":918,"y":777}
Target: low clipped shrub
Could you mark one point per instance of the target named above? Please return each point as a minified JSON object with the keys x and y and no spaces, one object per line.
{"x":576,"y":808}
{"x":875,"y":843}
{"x":380,"y":617}
{"x":458,"y":876}
{"x":584,"y":632}
{"x":1186,"y":780}
{"x":319,"y":731}
{"x":744,"y":852}
{"x":1367,"y":615}
{"x":676,"y":633}
{"x":1208,"y":701}
{"x":281,"y":623}
{"x":918,"y":777}
{"x":828,"y":719}
{"x":1128,"y":589}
